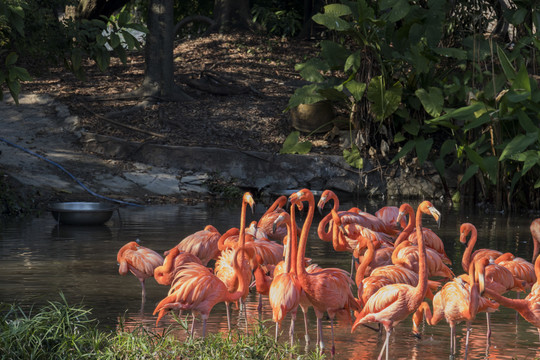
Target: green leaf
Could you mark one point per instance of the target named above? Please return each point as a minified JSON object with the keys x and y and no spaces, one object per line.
{"x":385,"y":101}
{"x":440,"y":166}
{"x":409,"y":145}
{"x":532,"y":158}
{"x":356,"y":88}
{"x":470,"y":172}
{"x":432,"y":100}
{"x":458,"y":54}
{"x":307,"y":94}
{"x":537,"y":184}
{"x":332,"y":22}
{"x":526,"y":122}
{"x":337,"y":10}
{"x":311,"y":70}
{"x":399,"y":137}
{"x":138,"y":27}
{"x":11,"y":59}
{"x":353,"y":61}
{"x":114,"y":40}
{"x":423,"y":147}
{"x":491,"y":166}
{"x":412,"y":127}
{"x":123,"y":18}
{"x":332,"y":94}
{"x":20,"y":73}
{"x":292,"y":146}
{"x":518,"y":144}
{"x":335,"y":54}
{"x":506,"y":65}
{"x":400,"y":9}
{"x":129,"y":39}
{"x":447,"y":147}
{"x":476,"y":122}
{"x":522,"y":82}
{"x":353,"y":157}
{"x":460,"y":113}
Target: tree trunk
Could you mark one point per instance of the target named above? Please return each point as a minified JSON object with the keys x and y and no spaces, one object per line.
{"x":232,"y":15}
{"x":159,"y":64}
{"x":92,"y":9}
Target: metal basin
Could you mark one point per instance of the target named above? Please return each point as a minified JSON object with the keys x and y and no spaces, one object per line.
{"x":81,"y":213}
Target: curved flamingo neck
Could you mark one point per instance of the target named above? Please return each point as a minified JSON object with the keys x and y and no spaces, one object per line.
{"x":301,"y":270}
{"x":325,"y":235}
{"x":517,"y":304}
{"x":537,"y":270}
{"x":410,"y":225}
{"x":242,"y":286}
{"x":397,"y":249}
{"x":421,"y":288}
{"x":226,"y":234}
{"x":211,"y":228}
{"x":467,"y":254}
{"x":279,"y":203}
{"x":369,"y":255}
{"x":293,"y":239}
{"x":162,"y":273}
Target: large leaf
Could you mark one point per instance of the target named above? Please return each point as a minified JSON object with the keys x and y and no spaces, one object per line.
{"x":470,"y":172}
{"x":506,"y":65}
{"x":399,"y":9}
{"x":356,"y":88}
{"x":423,"y":147}
{"x":491,"y":166}
{"x":337,"y":9}
{"x":447,"y":147}
{"x":384,"y":101}
{"x":353,"y":157}
{"x":409,"y":145}
{"x":311,"y":69}
{"x":458,"y":54}
{"x":307,"y":94}
{"x":459,"y":113}
{"x":335,"y":54}
{"x":522,"y":82}
{"x":332,"y":22}
{"x":292,"y":146}
{"x":518,"y":144}
{"x":353,"y":61}
{"x":432,"y":100}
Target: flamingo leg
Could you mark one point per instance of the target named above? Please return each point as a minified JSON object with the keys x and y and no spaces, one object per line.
{"x":228,"y":316}
{"x":277,"y":330}
{"x":306,"y":336}
{"x":319,"y":334}
{"x":352,"y":266}
{"x":260,"y":306}
{"x":467,"y":340}
{"x":193,"y":325}
{"x":204,"y":327}
{"x":291,"y":330}
{"x":333,"y":351}
{"x":488,"y":331}
{"x":452,"y":340}
{"x":385,"y":345}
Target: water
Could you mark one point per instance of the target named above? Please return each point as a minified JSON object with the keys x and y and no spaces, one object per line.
{"x":41,"y":259}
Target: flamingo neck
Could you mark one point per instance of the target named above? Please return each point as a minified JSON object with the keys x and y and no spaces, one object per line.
{"x":409,"y":228}
{"x":279,"y":203}
{"x":325,"y":235}
{"x":293,"y":240}
{"x":516,"y":304}
{"x":421,"y":288}
{"x":369,"y":255}
{"x":537,"y":270}
{"x":301,"y":270}
{"x":242,"y":286}
{"x":397,"y":249}
{"x":536,"y":249}
{"x":466,"y":259}
{"x":226,"y":234}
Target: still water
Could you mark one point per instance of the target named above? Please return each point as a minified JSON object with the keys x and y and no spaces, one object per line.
{"x":41,"y":259}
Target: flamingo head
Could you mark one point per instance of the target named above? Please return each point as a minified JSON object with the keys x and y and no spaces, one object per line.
{"x":283,"y":217}
{"x":248,"y":199}
{"x":427,"y":208}
{"x":464,"y":231}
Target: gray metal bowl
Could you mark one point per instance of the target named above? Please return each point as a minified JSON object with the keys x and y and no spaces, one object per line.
{"x":81,"y":213}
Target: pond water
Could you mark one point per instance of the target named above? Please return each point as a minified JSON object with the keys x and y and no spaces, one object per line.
{"x":41,"y":259}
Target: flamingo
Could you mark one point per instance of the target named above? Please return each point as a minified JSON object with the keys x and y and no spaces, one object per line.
{"x":140,"y":261}
{"x":430,"y":238}
{"x":175,"y":258}
{"x":498,"y":278}
{"x":285,"y":290}
{"x":262,"y":281}
{"x":528,"y":308}
{"x":202,"y":244}
{"x":223,"y":268}
{"x":199,"y":291}
{"x":459,"y":300}
{"x":328,"y":290}
{"x":389,"y":215}
{"x":406,"y":254}
{"x":393,"y":303}
{"x":266,"y":222}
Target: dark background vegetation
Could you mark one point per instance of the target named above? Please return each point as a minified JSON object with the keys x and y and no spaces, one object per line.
{"x":453,"y":83}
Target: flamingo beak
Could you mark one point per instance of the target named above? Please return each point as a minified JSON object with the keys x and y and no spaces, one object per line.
{"x":277,"y":222}
{"x":436,"y":215}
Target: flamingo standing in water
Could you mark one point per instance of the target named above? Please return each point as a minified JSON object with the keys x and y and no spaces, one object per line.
{"x":202,"y":244}
{"x":285,"y":290}
{"x":459,"y":300}
{"x":529,"y":308}
{"x":224,"y":270}
{"x":393,"y":303}
{"x":140,"y":260}
{"x":199,"y":290}
{"x":328,"y":290}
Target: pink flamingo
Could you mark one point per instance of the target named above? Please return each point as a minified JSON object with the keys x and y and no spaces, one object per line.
{"x":140,"y":260}
{"x":328,"y":290}
{"x":393,"y":303}
{"x":266,"y":222}
{"x":202,"y":244}
{"x":175,"y":258}
{"x":199,"y":291}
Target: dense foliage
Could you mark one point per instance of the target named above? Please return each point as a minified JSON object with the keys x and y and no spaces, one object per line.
{"x":450,"y":82}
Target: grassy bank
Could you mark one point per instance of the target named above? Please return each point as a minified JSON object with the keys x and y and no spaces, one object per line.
{"x":60,"y":331}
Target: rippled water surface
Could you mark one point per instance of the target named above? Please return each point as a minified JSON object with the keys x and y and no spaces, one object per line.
{"x":41,"y":259}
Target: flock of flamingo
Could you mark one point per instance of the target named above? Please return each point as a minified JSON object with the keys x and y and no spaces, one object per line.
{"x":395,"y":259}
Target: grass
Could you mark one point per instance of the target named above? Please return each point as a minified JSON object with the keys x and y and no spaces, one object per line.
{"x":60,"y":331}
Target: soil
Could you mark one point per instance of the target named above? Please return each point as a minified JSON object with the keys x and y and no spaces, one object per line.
{"x":256,"y":74}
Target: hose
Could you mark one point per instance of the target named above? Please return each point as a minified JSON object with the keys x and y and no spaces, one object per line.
{"x":67,"y":172}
